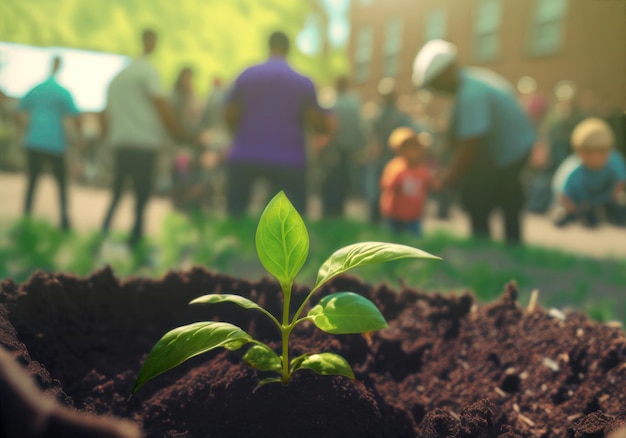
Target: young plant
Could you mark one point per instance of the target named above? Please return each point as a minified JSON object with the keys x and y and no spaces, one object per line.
{"x":282,"y":244}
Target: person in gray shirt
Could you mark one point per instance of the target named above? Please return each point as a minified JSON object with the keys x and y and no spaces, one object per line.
{"x":339,"y":157}
{"x":136,"y":124}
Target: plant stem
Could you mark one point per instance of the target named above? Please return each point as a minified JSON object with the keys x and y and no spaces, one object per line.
{"x":286,"y":331}
{"x":301,"y":308}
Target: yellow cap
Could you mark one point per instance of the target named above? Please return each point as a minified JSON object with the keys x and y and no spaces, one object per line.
{"x":402,"y":134}
{"x":399,"y":136}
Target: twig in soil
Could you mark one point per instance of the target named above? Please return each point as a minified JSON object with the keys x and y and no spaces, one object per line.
{"x":500,"y":392}
{"x":551,"y":364}
{"x":613,"y":324}
{"x":557,"y":314}
{"x":532,"y":303}
{"x":574,"y":417}
{"x":522,"y":417}
{"x":526,"y":420}
{"x":456,"y":416}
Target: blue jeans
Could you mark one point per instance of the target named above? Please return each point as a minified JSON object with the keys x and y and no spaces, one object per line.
{"x":411,"y":227}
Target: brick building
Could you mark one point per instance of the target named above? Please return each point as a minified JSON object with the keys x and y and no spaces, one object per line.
{"x":583,"y":41}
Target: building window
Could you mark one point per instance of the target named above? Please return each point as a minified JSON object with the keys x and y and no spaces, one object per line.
{"x":393,"y":46}
{"x":487,"y":36}
{"x":436,"y":26}
{"x":548,"y":26}
{"x":363,"y":53}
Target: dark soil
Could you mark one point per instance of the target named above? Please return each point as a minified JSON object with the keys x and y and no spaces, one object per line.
{"x":444,"y":367}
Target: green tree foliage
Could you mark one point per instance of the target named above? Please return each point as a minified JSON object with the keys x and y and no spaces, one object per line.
{"x":215,"y":37}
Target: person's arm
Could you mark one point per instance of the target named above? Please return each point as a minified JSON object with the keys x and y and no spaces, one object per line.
{"x":78,"y":127}
{"x":318,"y":120}
{"x":466,"y":151}
{"x":392,"y":177}
{"x":162,"y":106}
{"x":166,"y":114}
{"x":104,"y":124}
{"x":21,"y":114}
{"x":315,"y":117}
{"x":471,"y":122}
{"x":72,"y":111}
{"x":572,"y":198}
{"x":232,"y":115}
{"x":21,"y":119}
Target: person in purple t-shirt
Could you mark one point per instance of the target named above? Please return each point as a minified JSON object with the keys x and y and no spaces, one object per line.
{"x":268,"y":110}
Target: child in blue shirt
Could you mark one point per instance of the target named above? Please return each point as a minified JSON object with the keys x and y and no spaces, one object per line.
{"x":599,"y":181}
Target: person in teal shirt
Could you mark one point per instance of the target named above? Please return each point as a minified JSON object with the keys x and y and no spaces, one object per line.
{"x":491,"y":137}
{"x":42,"y":110}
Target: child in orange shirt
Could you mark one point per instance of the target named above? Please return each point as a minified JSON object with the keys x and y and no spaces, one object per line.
{"x":406,"y":181}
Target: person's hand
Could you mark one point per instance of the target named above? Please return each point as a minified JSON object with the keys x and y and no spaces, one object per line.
{"x":319,"y":142}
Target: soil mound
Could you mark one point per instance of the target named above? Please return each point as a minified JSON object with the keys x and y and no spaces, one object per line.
{"x":445,"y":367}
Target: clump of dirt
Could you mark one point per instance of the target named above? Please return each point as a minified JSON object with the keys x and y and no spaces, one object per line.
{"x":445,"y":367}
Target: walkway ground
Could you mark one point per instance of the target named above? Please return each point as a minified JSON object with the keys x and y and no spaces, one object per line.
{"x":88,"y":205}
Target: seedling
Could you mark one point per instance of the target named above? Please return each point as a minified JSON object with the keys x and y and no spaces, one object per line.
{"x":282,"y":244}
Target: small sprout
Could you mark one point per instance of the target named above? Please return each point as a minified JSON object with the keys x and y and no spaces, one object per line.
{"x":282,"y":244}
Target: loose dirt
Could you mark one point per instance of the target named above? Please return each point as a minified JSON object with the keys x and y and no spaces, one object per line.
{"x":445,"y":367}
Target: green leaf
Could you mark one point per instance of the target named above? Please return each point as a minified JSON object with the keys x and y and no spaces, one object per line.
{"x":282,"y":240}
{"x":345,"y":313}
{"x":327,"y":364}
{"x":223,"y":298}
{"x":263,"y":358}
{"x":296,"y":361}
{"x":366,"y":253}
{"x":236,"y":299}
{"x":185,"y":342}
{"x":266,"y":382}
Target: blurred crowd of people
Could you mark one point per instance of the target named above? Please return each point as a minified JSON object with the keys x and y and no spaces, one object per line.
{"x":477,"y":142}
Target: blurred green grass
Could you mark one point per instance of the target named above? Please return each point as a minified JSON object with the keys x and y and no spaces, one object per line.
{"x":595,"y":286}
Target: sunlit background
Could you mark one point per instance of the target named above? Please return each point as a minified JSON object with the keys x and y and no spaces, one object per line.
{"x":559,"y":56}
{"x":215,"y":38}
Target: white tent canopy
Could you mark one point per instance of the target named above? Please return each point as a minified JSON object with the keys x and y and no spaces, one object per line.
{"x":85,"y":74}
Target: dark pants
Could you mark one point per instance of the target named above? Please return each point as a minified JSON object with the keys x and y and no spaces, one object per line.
{"x":241,"y":176}
{"x":36,"y":161}
{"x":337,"y":183}
{"x":411,"y":227}
{"x":486,"y":187}
{"x":138,"y":165}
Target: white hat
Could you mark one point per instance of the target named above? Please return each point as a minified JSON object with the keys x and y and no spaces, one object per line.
{"x":433,"y":58}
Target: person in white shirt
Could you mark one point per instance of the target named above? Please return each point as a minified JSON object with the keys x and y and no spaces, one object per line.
{"x":136,"y":123}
